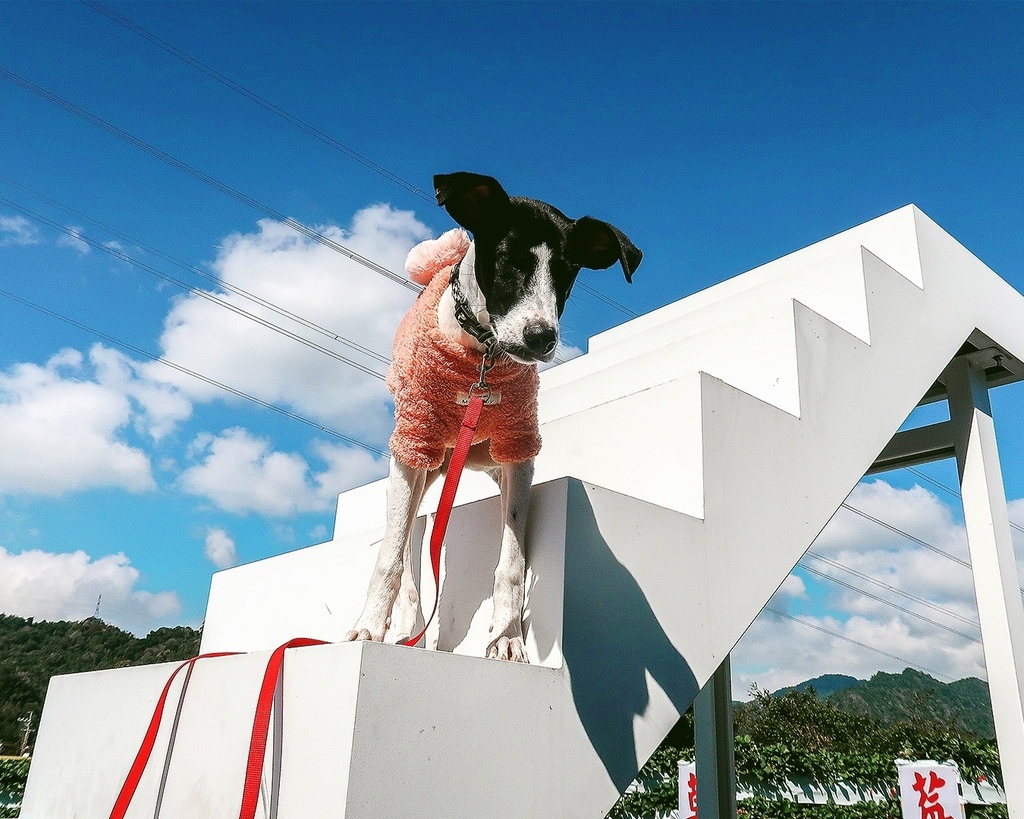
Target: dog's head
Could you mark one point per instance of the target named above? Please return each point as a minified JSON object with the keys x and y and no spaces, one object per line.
{"x":527,"y":255}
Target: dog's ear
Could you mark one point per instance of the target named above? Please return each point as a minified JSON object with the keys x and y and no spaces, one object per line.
{"x":597,"y":245}
{"x":476,"y":202}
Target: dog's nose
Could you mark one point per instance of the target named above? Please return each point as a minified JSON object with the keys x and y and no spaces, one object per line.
{"x":540,"y":339}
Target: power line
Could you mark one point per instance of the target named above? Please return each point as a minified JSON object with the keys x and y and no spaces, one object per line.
{"x":284,"y":312}
{"x":234,"y":193}
{"x":831,"y":633}
{"x":180,"y":165}
{"x":281,"y":311}
{"x":949,"y":490}
{"x":301,"y":124}
{"x":117,"y":254}
{"x":185,"y":370}
{"x":934,"y":482}
{"x":875,"y":582}
{"x":198,"y":272}
{"x":885,"y":602}
{"x":263,"y":102}
{"x":918,"y":540}
{"x":907,"y":535}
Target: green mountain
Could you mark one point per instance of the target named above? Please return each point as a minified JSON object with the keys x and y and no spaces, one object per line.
{"x":914,"y":695}
{"x":822,"y":686}
{"x":31,"y":652}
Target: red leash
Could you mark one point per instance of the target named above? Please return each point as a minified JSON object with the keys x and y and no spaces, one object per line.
{"x":265,"y":701}
{"x":261,"y":725}
{"x":131,"y":782}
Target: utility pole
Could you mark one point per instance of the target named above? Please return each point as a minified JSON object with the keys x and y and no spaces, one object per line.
{"x":96,"y":614}
{"x":27,"y":722}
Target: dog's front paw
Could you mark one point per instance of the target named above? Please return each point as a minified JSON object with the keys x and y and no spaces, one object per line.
{"x":509,"y":648}
{"x":360,"y":632}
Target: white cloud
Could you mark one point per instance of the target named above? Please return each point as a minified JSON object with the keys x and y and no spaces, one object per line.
{"x":73,"y":239}
{"x":63,"y":424}
{"x":220,"y":548}
{"x":313,"y":281}
{"x":777,"y":651}
{"x":792,"y":588}
{"x":882,"y":553}
{"x":59,"y":430}
{"x":158,"y":407}
{"x":67,"y":586}
{"x":17,"y":230}
{"x":565,"y":352}
{"x":241,"y":473}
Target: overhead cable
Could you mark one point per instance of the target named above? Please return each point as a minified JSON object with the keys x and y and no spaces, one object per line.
{"x":949,"y":490}
{"x":192,"y":373}
{"x":299,"y":123}
{"x":214,"y":299}
{"x":180,"y":165}
{"x":281,"y":311}
{"x":876,"y":582}
{"x":263,"y":102}
{"x":885,"y":602}
{"x":907,"y":535}
{"x":829,"y":632}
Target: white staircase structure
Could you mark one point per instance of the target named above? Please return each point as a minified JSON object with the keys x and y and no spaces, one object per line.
{"x":707,"y":444}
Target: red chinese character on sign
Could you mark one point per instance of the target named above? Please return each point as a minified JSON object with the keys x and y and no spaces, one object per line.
{"x":929,"y":803}
{"x":691,"y":795}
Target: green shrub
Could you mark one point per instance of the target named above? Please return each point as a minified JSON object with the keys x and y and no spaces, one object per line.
{"x":13,"y":773}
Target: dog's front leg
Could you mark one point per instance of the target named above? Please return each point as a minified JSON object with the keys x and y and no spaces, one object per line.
{"x":510,"y":574}
{"x":406,"y":486}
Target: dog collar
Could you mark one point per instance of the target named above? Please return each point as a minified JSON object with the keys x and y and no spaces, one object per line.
{"x":467,"y":319}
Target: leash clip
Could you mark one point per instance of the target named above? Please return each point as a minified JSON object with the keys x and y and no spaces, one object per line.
{"x":491,"y":396}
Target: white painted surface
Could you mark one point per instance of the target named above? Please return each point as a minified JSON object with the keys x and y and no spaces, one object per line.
{"x":994,"y":567}
{"x":725,"y":429}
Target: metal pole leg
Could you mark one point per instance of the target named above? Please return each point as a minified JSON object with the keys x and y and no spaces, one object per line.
{"x":716,"y":762}
{"x":995,"y":571}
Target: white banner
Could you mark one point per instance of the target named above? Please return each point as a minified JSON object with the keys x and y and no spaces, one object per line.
{"x":687,"y":790}
{"x":929,"y":790}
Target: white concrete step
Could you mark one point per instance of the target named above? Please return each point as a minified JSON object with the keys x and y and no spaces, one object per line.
{"x":832,"y":286}
{"x":891,"y":238}
{"x":371,"y":730}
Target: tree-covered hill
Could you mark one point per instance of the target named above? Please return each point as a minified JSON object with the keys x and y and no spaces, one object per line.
{"x":799,"y":737}
{"x":32,"y":652}
{"x":891,"y":698}
{"x":822,"y":686}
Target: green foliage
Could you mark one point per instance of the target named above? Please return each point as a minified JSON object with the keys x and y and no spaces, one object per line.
{"x":31,"y":653}
{"x":796,"y":736}
{"x":13,"y":773}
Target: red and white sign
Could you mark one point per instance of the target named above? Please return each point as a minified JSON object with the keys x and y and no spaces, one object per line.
{"x":687,"y":790}
{"x":929,"y":790}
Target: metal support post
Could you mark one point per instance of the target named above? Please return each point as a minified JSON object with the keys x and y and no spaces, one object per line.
{"x":716,"y":761}
{"x":996,"y":583}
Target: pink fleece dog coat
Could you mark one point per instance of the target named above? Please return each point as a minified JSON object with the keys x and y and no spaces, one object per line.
{"x":428,"y":371}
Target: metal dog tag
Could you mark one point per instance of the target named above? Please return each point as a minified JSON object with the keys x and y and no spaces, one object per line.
{"x":493,"y":397}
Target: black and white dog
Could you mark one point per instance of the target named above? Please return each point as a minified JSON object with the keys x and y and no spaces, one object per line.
{"x":513,"y":282}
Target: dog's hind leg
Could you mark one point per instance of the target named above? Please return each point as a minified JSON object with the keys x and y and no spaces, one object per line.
{"x":406,"y":486}
{"x":510,"y":573}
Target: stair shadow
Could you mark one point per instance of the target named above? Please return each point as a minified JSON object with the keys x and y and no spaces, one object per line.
{"x":611,"y":640}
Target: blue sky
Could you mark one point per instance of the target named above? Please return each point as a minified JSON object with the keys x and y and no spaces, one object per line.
{"x":717,"y":135}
